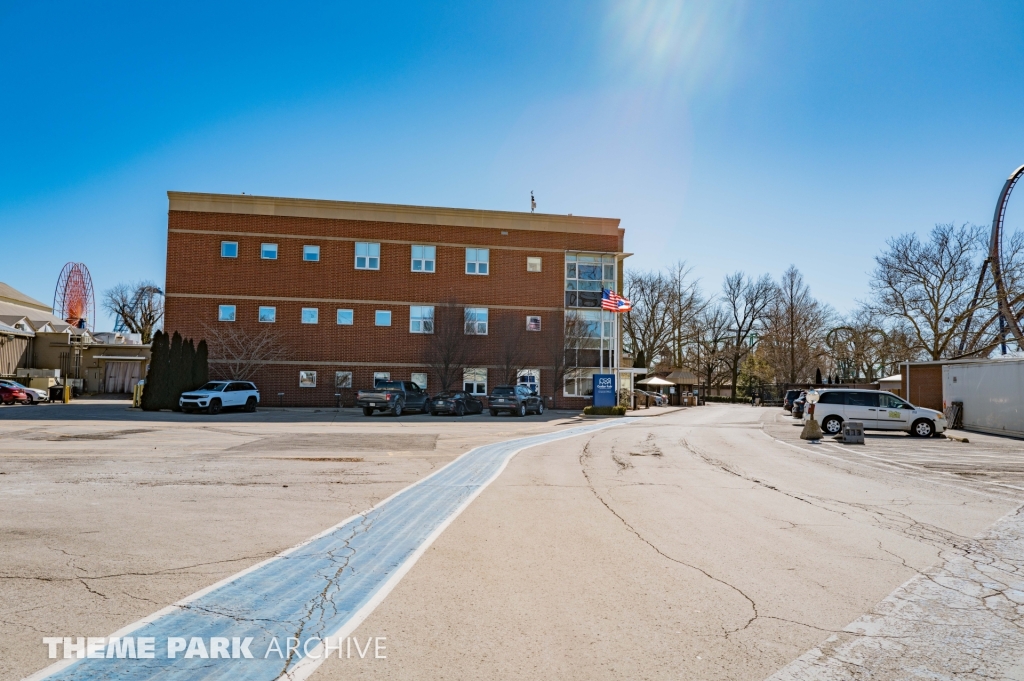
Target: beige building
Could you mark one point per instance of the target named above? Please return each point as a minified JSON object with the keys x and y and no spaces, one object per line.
{"x":33,"y":338}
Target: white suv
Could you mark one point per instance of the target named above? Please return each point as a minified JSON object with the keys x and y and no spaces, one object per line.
{"x":217,"y":395}
{"x":876,"y":409}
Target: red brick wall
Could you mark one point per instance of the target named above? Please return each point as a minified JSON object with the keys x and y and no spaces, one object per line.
{"x":199,"y":280}
{"x":925,"y":386}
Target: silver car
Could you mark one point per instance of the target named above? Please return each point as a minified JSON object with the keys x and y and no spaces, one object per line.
{"x":34,"y":394}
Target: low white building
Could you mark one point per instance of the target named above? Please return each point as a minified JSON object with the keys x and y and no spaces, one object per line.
{"x":992,"y":393}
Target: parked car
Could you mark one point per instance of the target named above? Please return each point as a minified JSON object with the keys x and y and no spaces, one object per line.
{"x":799,"y":405}
{"x":456,"y":402}
{"x":658,"y":399}
{"x":393,"y":396}
{"x":218,"y":395}
{"x":876,"y":409}
{"x":517,"y":400}
{"x":34,"y":394}
{"x":10,"y":395}
{"x":787,"y":401}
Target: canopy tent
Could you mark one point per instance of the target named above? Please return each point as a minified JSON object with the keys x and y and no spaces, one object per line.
{"x":655,"y":380}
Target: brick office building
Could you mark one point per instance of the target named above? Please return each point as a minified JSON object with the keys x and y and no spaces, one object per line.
{"x":353,"y":288}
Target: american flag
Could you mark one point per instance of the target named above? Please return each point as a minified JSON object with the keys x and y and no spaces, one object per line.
{"x":614,"y":302}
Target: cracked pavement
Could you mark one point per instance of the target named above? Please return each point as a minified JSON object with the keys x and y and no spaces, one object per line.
{"x":108,"y":515}
{"x":713,"y":544}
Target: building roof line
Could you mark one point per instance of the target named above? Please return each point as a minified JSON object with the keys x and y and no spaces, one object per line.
{"x":245,"y":204}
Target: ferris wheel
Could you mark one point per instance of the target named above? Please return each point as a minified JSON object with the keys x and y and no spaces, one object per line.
{"x":74,"y":300}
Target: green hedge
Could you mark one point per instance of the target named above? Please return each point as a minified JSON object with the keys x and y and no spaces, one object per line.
{"x":604,"y":411}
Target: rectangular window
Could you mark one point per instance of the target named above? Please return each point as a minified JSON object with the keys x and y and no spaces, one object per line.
{"x":345,"y":317}
{"x":533,"y":264}
{"x":477,"y":260}
{"x":423,"y":258}
{"x":268,"y":251}
{"x":342,"y":380}
{"x":421,"y":319}
{"x":381,"y":377}
{"x":382,"y":318}
{"x":307,"y":379}
{"x":311,"y":253}
{"x":474,"y":381}
{"x":586,"y":274}
{"x":226,"y":313}
{"x":529,"y":378}
{"x":476,"y":321}
{"x":268,"y":314}
{"x":367,"y":256}
{"x":229,"y":249}
{"x":533,"y":323}
{"x":420,"y":380}
{"x":310,"y":315}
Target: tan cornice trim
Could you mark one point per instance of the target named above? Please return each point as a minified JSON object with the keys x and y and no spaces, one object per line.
{"x":423,"y":242}
{"x":228,"y":298}
{"x":244,"y":204}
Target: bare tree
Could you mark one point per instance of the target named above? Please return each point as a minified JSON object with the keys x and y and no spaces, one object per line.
{"x":792,"y":345}
{"x":237,"y":352}
{"x":138,"y":305}
{"x":648,"y":326}
{"x":930,"y":285}
{"x":513,"y":349}
{"x":709,"y":339}
{"x":447,"y":349}
{"x":685,"y":303}
{"x":746,"y":303}
{"x":563,"y":351}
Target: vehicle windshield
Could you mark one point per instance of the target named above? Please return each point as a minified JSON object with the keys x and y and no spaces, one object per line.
{"x":213,"y":387}
{"x":389,"y":385}
{"x":503,"y":390}
{"x":443,"y":395}
{"x":13,"y":384}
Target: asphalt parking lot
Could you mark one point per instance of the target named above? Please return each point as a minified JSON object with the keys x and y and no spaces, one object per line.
{"x":107,"y":513}
{"x":988,"y":462}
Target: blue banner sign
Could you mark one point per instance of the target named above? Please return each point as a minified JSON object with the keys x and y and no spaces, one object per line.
{"x":604,"y":390}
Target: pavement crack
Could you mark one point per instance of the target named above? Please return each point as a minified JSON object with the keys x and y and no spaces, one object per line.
{"x":585,"y":454}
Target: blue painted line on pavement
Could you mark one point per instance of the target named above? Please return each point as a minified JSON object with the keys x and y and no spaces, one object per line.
{"x":316,"y":589}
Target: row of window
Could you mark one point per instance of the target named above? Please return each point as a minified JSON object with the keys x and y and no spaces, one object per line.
{"x":421,"y":318}
{"x":474,"y":380}
{"x":367,"y":257}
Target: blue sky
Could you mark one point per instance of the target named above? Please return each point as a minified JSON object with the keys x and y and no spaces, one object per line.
{"x":732,"y":135}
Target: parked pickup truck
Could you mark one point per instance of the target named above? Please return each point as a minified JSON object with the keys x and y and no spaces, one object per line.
{"x":393,"y":396}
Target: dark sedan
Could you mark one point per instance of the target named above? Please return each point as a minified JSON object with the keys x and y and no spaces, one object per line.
{"x":455,"y":402}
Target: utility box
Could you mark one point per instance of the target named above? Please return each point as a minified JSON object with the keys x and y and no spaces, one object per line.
{"x":40,"y":383}
{"x":853,"y":433}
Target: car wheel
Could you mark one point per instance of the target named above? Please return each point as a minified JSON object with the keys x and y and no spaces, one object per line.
{"x":521,"y":411}
{"x":397,"y":409}
{"x":250,"y":405}
{"x":460,"y":409}
{"x":367,"y":411}
{"x":494,"y":412}
{"x":214,"y":407}
{"x":832,"y":425}
{"x":27,"y":400}
{"x":922,"y":428}
{"x":540,"y":407}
